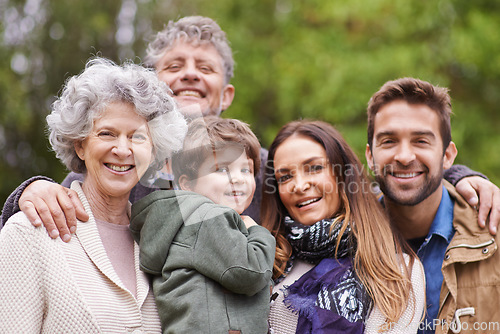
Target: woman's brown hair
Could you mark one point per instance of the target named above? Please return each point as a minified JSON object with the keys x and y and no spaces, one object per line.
{"x":379,"y":255}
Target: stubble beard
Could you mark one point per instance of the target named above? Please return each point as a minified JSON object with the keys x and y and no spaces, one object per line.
{"x":430,"y":185}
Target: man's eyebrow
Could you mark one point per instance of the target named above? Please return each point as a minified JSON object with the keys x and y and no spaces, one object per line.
{"x":423,"y":133}
{"x":385,"y":134}
{"x":413,"y":133}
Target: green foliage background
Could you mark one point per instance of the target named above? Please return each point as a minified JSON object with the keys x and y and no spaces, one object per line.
{"x":295,"y":59}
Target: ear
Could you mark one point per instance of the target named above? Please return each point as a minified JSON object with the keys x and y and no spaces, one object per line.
{"x":227,"y":96}
{"x":449,"y":155}
{"x":79,"y":149}
{"x":369,"y":157}
{"x":185,"y":183}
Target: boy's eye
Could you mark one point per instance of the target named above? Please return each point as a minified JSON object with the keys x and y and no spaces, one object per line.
{"x":222,"y":169}
{"x":246,"y":170}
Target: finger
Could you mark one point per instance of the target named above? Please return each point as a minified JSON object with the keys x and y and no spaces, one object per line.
{"x":59,"y":209}
{"x":494,"y":218}
{"x":81,"y":214}
{"x":29,"y":210}
{"x":468,"y":192}
{"x":484,"y":209}
{"x":45,"y":215}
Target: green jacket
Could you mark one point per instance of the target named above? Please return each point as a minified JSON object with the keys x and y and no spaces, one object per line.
{"x":211,"y":274}
{"x":471,"y":275}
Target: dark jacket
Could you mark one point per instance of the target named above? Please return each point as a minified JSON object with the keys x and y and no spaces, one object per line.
{"x":211,"y":274}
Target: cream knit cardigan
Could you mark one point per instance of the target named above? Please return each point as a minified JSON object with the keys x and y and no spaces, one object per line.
{"x":48,"y":286}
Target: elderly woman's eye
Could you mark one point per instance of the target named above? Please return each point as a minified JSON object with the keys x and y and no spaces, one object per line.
{"x":105,"y":134}
{"x":139,"y":138}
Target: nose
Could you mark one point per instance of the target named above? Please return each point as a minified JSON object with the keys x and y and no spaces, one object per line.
{"x":301,"y":184}
{"x":405,"y":154}
{"x":122,"y":147}
{"x":235,"y":177}
{"x":190,"y":73}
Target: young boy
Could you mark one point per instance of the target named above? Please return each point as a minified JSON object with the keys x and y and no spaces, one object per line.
{"x":212,"y":267}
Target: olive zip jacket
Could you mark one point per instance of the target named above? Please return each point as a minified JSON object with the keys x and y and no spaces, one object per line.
{"x":471,"y":275}
{"x":211,"y":274}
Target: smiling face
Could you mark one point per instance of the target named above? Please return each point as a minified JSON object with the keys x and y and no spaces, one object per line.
{"x":117,"y":152}
{"x":196,"y":76}
{"x":306,"y":183}
{"x":407,"y":152}
{"x":227,"y":178}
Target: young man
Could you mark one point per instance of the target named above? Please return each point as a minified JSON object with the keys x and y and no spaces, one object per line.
{"x":409,"y":147}
{"x":211,"y":267}
{"x":193,"y":56}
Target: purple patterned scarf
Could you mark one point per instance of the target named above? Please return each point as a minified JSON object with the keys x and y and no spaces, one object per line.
{"x":330,"y":297}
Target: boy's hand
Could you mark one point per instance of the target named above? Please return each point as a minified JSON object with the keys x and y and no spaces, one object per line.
{"x":477,"y":190}
{"x":53,"y":205}
{"x":248,"y":221}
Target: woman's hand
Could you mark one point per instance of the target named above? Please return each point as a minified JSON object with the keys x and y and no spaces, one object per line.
{"x":57,"y":207}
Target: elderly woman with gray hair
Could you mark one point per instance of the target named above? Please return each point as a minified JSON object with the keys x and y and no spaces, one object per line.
{"x":112,"y":123}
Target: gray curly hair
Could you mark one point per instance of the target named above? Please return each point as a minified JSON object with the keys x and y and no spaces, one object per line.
{"x":195,"y":29}
{"x":85,"y":96}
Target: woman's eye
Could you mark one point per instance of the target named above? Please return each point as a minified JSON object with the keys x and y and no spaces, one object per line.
{"x":283,"y":178}
{"x":105,"y":134}
{"x":316,"y":168}
{"x":139,"y":138}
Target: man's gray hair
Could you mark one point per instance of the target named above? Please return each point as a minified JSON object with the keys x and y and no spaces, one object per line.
{"x":85,"y":96}
{"x":194,"y":29}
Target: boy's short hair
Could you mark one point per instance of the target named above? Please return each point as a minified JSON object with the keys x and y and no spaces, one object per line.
{"x":208,"y":135}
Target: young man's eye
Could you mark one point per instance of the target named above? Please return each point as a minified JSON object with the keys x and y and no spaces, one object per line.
{"x":387,"y":142}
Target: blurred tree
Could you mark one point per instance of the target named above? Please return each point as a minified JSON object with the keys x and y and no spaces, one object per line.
{"x":295,"y":58}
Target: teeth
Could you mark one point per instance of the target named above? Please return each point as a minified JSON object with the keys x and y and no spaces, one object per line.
{"x":237,"y":193}
{"x":308,"y":202}
{"x":189,"y":93}
{"x":405,"y":175}
{"x":119,"y":168}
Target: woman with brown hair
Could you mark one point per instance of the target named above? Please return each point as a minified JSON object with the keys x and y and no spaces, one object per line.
{"x":339,"y":267}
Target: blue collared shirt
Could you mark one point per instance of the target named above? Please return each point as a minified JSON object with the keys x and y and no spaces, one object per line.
{"x":431,"y":254}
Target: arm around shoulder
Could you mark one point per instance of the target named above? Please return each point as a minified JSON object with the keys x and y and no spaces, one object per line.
{"x":11,"y":206}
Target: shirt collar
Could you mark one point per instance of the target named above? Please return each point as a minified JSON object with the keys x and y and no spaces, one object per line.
{"x":442,"y":224}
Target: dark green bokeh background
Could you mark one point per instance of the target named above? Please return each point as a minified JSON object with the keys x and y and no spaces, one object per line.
{"x":295,"y":59}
